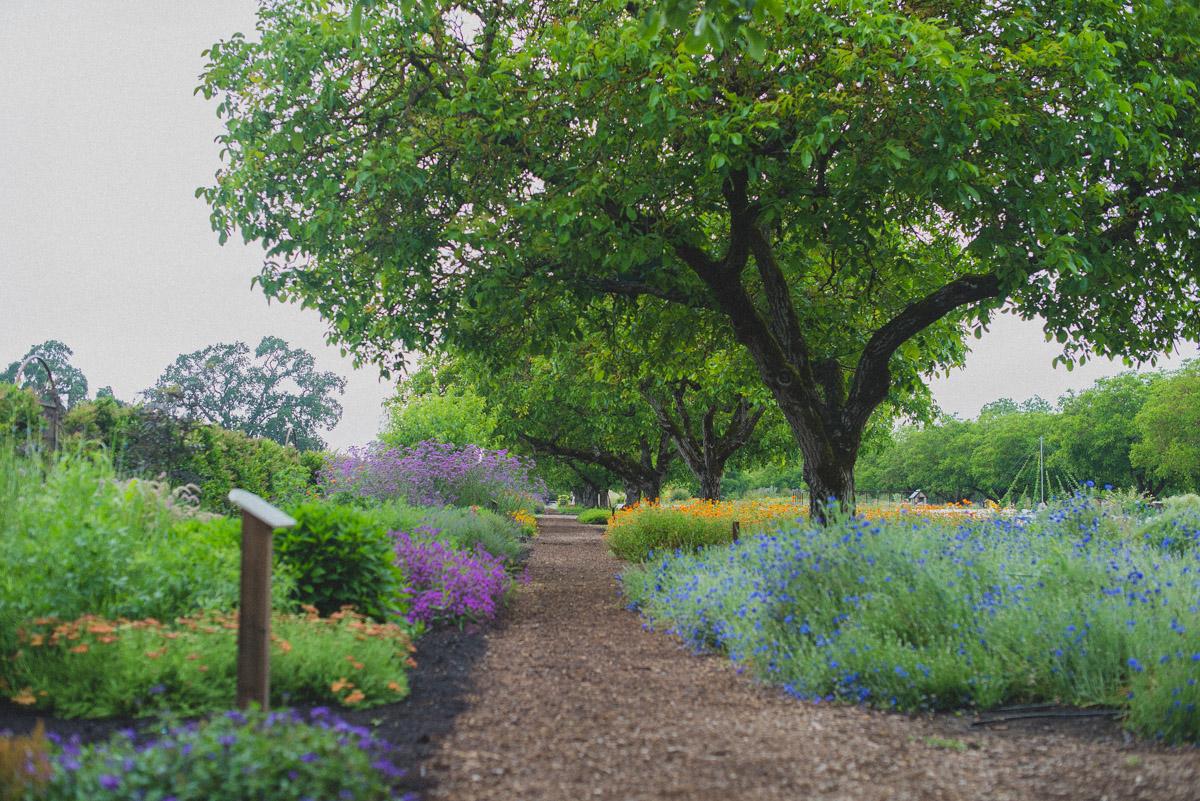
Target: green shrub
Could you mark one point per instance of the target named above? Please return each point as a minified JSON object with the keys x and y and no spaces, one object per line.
{"x":1175,"y":530}
{"x":342,"y":557}
{"x":147,"y":442}
{"x":594,"y":516}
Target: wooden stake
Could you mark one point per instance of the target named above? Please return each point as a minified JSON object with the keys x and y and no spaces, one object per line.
{"x":259,"y":521}
{"x":737,"y":530}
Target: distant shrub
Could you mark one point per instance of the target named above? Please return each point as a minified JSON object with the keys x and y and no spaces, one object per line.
{"x":342,"y":557}
{"x":146,"y":441}
{"x":594,"y":516}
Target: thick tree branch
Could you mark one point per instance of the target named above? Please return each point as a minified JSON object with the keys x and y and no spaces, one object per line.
{"x":872,"y":378}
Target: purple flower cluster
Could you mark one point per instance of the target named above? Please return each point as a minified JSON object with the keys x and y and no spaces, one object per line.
{"x":448,"y":585}
{"x":432,"y":474}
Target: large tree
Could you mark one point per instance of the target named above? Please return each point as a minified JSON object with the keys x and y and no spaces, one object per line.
{"x":68,"y":381}
{"x":274,"y":392}
{"x":847,"y":183}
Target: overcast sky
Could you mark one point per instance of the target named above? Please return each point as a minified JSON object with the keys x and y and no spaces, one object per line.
{"x":104,"y":246}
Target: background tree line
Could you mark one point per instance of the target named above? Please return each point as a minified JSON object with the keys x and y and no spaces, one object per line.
{"x":222,"y":417}
{"x":1139,"y":431}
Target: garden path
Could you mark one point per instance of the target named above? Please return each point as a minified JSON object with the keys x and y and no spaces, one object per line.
{"x":573,"y":699}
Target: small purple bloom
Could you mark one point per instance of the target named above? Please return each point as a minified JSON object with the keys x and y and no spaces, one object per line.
{"x":109,"y":782}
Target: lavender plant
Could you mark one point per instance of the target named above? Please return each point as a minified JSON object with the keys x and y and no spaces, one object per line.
{"x":449,"y":585}
{"x":434,"y":474}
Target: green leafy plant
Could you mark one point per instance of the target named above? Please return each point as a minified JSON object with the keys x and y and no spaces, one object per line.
{"x":594,"y":516}
{"x":342,"y":557}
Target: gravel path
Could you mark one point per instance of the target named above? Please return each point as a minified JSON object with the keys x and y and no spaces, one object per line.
{"x":573,"y":699}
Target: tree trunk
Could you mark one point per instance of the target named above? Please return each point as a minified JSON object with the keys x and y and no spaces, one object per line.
{"x":710,"y":485}
{"x":633,"y":493}
{"x":589,"y":496}
{"x":830,"y":484}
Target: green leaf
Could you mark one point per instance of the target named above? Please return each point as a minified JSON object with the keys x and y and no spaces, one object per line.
{"x":756,"y":43}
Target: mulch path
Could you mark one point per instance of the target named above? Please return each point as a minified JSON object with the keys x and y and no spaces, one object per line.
{"x":568,"y":697}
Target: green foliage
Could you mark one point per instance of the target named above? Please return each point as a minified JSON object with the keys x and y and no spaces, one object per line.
{"x":231,"y":757}
{"x":435,"y":404}
{"x":1177,"y":529}
{"x":93,"y":667}
{"x":461,"y":528}
{"x":594,"y":516}
{"x":1169,"y":428}
{"x":20,"y":414}
{"x":846,"y":189}
{"x":78,"y":541}
{"x":69,"y":381}
{"x":342,"y":557}
{"x":275,"y":393}
{"x":1096,"y":431}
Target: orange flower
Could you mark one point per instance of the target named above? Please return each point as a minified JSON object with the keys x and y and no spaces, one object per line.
{"x":285,"y":646}
{"x":156,"y":654}
{"x":395,"y":687}
{"x":79,"y":649}
{"x":193,"y":656}
{"x":356,"y":665}
{"x":354,"y":697}
{"x":202,"y":668}
{"x":108,"y":638}
{"x":25,"y":697}
{"x":340,"y":685}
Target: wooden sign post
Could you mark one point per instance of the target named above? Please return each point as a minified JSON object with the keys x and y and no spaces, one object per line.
{"x":737,"y":530}
{"x":259,"y":521}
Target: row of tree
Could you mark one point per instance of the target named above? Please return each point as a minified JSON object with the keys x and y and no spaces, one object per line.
{"x":1134,"y":430}
{"x":837,"y":192}
{"x":273,"y":392}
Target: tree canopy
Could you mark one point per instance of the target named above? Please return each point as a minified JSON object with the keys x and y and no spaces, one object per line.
{"x":69,"y":381}
{"x":846,"y":184}
{"x":274,"y":392}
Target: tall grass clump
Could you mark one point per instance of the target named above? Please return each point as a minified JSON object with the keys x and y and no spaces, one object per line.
{"x":925,"y":616}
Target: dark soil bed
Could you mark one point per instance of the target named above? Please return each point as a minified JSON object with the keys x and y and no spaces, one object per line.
{"x":570,"y":698}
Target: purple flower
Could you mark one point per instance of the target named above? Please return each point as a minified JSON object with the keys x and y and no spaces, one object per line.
{"x":109,"y":782}
{"x":309,"y":757}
